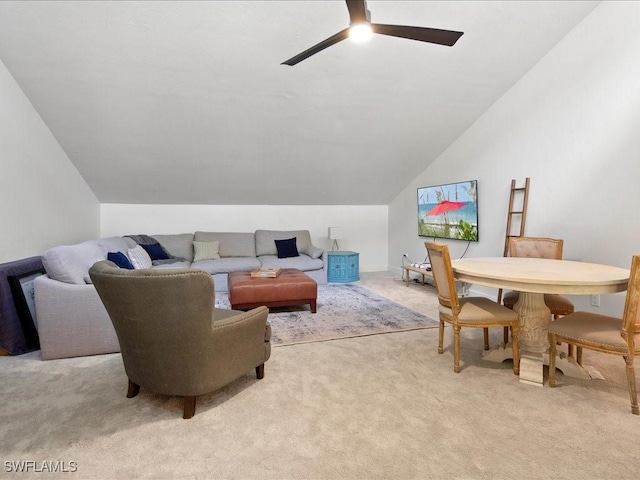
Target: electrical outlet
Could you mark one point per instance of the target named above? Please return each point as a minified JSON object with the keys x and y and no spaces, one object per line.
{"x":595,"y":300}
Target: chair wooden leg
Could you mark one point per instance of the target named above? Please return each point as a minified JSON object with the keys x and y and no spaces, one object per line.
{"x":189,"y":407}
{"x":133,"y":389}
{"x":505,"y":335}
{"x":486,"y":338}
{"x":552,"y":360}
{"x":260,"y":371}
{"x":631,"y":380}
{"x":579,"y":355}
{"x":569,"y":350}
{"x":456,"y":348}
{"x":441,"y":337}
{"x":515,"y":347}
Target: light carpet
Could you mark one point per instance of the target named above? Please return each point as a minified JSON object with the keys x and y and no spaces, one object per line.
{"x":343,"y":311}
{"x":375,"y":407}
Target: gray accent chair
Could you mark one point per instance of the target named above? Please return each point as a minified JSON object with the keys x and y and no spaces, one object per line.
{"x":173,"y":341}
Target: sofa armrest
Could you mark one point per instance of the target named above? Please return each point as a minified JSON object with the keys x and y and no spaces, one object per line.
{"x":325,"y":264}
{"x":72,"y":320}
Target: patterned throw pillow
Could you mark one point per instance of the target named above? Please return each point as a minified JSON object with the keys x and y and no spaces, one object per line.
{"x":206,"y":250}
{"x":139,"y":257}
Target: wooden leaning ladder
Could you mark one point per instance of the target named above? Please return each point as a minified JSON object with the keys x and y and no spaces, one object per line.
{"x":523,"y":195}
{"x":522,"y":212}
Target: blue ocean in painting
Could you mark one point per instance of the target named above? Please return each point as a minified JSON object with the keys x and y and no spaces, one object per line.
{"x":468,"y":213}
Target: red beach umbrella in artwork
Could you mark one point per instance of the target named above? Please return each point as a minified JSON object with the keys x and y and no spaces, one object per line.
{"x":445,"y":206}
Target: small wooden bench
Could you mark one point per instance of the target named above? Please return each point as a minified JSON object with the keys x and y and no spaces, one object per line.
{"x":421,"y":271}
{"x":291,"y":287}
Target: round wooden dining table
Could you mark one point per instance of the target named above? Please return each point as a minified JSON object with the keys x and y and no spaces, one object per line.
{"x":533,"y":277}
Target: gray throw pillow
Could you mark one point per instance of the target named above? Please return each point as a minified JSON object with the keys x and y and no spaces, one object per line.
{"x":313,"y":251}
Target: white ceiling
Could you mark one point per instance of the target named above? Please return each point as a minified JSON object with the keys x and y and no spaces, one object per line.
{"x":187,"y":103}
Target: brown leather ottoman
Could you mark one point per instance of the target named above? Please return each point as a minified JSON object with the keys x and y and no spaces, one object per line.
{"x":291,"y":287}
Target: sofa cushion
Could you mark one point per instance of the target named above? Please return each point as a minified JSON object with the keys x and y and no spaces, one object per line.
{"x":179,"y":245}
{"x":120,"y":259}
{"x":227,"y":264}
{"x":139,"y":257}
{"x":302,"y":262}
{"x":287,"y":248}
{"x":71,"y":263}
{"x":266,"y":245}
{"x":231,"y":244}
{"x":206,"y":251}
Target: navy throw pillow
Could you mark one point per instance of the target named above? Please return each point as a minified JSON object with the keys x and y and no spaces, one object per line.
{"x":120,"y":259}
{"x":155,"y":251}
{"x":287,"y":248}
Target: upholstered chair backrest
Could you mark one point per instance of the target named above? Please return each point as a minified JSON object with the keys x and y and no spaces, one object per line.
{"x":631,"y":316}
{"x":443,"y":275}
{"x":164,"y":322}
{"x":536,"y":247}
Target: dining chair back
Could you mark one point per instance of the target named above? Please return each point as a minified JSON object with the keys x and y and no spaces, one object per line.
{"x":604,"y":334}
{"x":536,"y":247}
{"x":476,"y":312}
{"x":442,"y":271}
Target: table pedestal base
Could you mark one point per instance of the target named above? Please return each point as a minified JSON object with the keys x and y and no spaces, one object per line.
{"x":532,"y":368}
{"x":568,"y":366}
{"x":499,"y":354}
{"x":532,"y":364}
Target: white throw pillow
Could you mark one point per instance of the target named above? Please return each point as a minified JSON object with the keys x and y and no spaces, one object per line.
{"x":139,"y":257}
{"x":206,"y":250}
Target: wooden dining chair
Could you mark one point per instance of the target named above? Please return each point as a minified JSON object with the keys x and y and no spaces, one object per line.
{"x":605,"y":334}
{"x":476,"y":312}
{"x":538,"y":247}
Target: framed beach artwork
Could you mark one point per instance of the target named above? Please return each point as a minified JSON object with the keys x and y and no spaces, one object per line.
{"x":449,"y":211}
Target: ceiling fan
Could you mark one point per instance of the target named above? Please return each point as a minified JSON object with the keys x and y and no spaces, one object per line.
{"x":360,"y":19}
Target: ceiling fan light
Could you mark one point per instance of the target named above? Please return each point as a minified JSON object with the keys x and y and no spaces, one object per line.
{"x":360,"y":32}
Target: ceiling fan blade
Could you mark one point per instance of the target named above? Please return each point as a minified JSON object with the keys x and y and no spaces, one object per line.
{"x":358,"y":12}
{"x":338,"y":37}
{"x":431,"y":35}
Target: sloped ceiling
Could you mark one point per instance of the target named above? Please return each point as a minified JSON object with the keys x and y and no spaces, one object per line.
{"x":188,"y":103}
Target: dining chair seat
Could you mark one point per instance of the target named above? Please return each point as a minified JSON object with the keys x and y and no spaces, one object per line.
{"x":479,"y":311}
{"x":593,"y":330}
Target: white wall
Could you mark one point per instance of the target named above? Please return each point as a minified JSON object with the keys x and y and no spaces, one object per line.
{"x":571,"y":124}
{"x":43,"y":199}
{"x":365,"y":227}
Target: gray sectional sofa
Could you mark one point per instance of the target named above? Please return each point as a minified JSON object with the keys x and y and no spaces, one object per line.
{"x":71,"y":318}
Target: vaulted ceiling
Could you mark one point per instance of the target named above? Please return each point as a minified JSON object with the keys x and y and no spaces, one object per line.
{"x":188,"y":103}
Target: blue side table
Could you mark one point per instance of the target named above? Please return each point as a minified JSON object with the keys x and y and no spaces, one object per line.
{"x":344,"y":267}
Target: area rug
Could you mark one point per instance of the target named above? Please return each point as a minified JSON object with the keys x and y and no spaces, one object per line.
{"x":343,"y":311}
